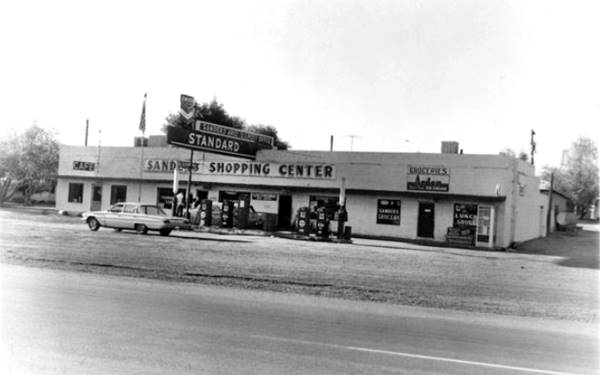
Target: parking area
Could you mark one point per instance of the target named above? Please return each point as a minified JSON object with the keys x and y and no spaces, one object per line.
{"x":524,"y":283}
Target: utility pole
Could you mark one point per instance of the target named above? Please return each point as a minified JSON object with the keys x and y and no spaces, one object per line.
{"x":532,"y":146}
{"x":189,"y":185}
{"x":87,"y":129}
{"x":549,"y":213}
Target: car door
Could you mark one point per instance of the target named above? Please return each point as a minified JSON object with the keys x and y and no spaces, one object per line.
{"x":128,"y":217}
{"x":111,"y":216}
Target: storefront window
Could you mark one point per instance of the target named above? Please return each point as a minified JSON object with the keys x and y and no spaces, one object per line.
{"x":232,"y":195}
{"x":118,"y":193}
{"x":330,"y":203}
{"x":75,"y":193}
{"x":388,"y":211}
{"x":165,"y":198}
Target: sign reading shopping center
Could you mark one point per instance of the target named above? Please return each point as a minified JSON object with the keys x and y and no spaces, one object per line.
{"x":249,"y":169}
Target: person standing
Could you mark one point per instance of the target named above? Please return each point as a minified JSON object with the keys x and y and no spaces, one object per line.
{"x":180,"y":203}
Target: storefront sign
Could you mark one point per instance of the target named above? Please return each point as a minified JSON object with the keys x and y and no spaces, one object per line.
{"x":388,"y":211}
{"x":218,"y":139}
{"x":257,"y":169}
{"x":264,"y":196}
{"x":83,"y":166}
{"x":166,"y":165}
{"x":428,"y":178}
{"x":465,"y":215}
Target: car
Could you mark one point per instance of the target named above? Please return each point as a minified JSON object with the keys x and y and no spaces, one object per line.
{"x":140,"y":217}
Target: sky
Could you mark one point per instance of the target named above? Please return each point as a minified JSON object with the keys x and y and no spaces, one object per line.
{"x":390,"y":76}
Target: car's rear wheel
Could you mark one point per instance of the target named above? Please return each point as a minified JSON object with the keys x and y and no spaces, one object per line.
{"x":165,"y":232}
{"x":141,"y":228}
{"x":93,"y":223}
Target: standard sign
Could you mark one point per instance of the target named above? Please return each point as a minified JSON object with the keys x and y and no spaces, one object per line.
{"x":206,"y":136}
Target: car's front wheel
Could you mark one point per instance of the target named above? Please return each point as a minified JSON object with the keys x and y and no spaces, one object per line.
{"x":93,"y":223}
{"x":141,"y":228}
{"x":165,"y":232}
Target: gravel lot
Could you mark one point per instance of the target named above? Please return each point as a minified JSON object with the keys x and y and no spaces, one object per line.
{"x":553,"y":278}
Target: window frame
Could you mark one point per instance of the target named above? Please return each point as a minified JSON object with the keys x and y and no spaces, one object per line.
{"x":72,"y":196}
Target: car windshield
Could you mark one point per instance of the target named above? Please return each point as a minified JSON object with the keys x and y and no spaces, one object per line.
{"x":116,"y":208}
{"x":153,"y":210}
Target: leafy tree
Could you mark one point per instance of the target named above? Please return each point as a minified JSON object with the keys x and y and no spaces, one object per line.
{"x":215,"y":112}
{"x":28,"y":163}
{"x":523,"y":156}
{"x":270,"y":131}
{"x":578,"y":179}
{"x":507,"y":151}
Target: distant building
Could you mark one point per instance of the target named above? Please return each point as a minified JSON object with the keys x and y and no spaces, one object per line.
{"x":560,"y":203}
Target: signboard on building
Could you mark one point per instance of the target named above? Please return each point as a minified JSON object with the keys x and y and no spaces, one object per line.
{"x":260,"y":169}
{"x":84,"y":166}
{"x":388,"y":211}
{"x":428,"y":178}
{"x":205,"y":136}
{"x":241,"y":168}
{"x":167,"y":165}
{"x":465,"y":215}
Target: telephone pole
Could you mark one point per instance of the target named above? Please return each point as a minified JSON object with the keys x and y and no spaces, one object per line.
{"x":532,"y":146}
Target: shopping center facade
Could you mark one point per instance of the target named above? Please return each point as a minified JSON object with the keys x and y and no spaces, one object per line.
{"x":413,"y":196}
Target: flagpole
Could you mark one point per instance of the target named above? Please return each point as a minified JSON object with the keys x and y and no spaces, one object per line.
{"x":143,"y":129}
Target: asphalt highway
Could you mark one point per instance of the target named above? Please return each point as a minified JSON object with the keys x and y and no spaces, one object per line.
{"x":62,"y":322}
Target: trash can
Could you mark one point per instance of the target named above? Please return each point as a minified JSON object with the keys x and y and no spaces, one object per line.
{"x":269,"y":222}
{"x":347,"y":232}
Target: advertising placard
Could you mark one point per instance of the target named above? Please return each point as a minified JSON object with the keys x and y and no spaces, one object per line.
{"x":388,"y":211}
{"x":428,"y":178}
{"x":465,"y":215}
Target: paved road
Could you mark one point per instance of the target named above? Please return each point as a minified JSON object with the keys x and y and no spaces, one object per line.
{"x":58,"y":322}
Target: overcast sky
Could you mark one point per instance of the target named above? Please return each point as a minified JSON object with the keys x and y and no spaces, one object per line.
{"x":400,"y":75}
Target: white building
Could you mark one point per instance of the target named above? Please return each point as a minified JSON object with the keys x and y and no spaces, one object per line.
{"x":414,"y":196}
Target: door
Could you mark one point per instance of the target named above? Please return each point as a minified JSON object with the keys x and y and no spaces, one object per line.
{"x":425,"y":223}
{"x":284,"y":220}
{"x":484,"y":220}
{"x":96,"y":198}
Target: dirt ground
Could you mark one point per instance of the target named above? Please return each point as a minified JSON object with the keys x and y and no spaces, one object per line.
{"x":555,"y":277}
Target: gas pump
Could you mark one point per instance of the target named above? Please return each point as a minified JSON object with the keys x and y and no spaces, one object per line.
{"x":322,"y":223}
{"x":303,"y":221}
{"x":205,"y":213}
{"x":227,"y":214}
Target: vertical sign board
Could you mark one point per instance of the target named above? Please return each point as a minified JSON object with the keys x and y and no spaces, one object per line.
{"x":388,"y":211}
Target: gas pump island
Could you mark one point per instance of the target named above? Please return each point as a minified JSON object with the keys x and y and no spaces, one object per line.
{"x":195,"y":134}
